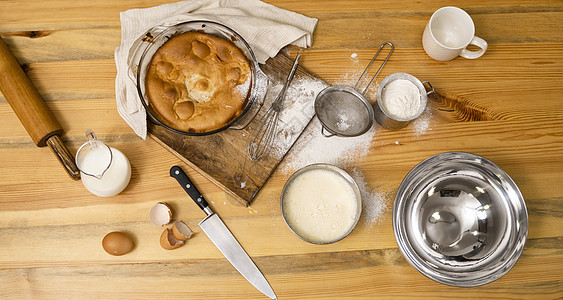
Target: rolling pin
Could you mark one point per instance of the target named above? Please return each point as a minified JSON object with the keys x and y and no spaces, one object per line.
{"x":33,"y":112}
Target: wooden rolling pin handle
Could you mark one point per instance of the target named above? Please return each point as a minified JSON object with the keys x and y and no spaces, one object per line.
{"x":64,"y":156}
{"x":25,"y":100}
{"x":33,"y":112}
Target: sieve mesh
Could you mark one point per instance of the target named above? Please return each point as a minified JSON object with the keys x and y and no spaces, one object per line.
{"x":344,"y":111}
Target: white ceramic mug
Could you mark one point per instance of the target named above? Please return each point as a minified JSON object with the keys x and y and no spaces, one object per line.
{"x":448,"y":33}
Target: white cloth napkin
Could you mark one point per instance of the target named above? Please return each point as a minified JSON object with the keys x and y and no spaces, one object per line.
{"x":265,"y":27}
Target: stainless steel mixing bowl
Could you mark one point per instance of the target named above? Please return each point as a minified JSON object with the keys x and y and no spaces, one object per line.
{"x":460,"y":220}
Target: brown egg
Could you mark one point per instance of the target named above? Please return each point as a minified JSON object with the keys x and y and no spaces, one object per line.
{"x":117,"y":243}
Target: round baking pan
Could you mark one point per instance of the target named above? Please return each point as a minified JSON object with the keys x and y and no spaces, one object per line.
{"x":146,"y":46}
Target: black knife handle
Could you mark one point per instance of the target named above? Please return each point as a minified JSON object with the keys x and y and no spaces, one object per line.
{"x":189,"y":187}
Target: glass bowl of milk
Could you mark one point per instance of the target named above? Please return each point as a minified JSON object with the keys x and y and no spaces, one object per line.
{"x":104,"y":171}
{"x":321,"y":204}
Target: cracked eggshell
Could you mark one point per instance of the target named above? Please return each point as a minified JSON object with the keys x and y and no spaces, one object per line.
{"x":168,"y":241}
{"x":181,"y":231}
{"x":160,"y":214}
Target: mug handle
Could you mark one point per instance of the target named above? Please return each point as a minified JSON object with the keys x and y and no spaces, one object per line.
{"x":479,"y":42}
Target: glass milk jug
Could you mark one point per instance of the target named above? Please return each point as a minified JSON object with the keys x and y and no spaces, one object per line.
{"x":104,"y":171}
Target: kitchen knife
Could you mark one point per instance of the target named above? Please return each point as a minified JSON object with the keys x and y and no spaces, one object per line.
{"x":220,"y":235}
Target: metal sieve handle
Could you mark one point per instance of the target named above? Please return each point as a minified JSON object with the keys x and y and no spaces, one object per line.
{"x":325,"y":134}
{"x":428,"y":92}
{"x":379,"y":70}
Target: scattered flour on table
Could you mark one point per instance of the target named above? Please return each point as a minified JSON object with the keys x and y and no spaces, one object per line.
{"x":374,"y":201}
{"x":312,"y":147}
{"x":300,"y":96}
{"x":422,"y":123}
{"x":354,"y":58}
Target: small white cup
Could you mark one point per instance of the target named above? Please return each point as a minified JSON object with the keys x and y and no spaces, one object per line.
{"x":448,"y":33}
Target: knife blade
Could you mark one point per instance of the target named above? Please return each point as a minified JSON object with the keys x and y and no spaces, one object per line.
{"x":222,"y":237}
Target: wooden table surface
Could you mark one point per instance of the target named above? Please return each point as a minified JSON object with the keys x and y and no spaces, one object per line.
{"x":506,"y":106}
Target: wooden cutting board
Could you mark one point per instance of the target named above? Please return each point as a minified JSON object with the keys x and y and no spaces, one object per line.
{"x":222,"y":157}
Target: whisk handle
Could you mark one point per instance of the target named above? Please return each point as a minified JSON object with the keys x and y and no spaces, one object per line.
{"x":291,"y":75}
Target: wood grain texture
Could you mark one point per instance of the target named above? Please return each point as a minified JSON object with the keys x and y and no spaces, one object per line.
{"x":505,"y":106}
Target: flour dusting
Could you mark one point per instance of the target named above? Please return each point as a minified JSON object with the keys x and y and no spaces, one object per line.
{"x":374,"y":202}
{"x":312,"y":147}
{"x":422,"y":123}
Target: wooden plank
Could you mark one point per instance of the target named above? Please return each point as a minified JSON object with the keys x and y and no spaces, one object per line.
{"x":313,"y":276}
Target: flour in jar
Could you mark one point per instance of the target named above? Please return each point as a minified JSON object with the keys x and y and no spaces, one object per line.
{"x":401,"y":99}
{"x":320,"y":206}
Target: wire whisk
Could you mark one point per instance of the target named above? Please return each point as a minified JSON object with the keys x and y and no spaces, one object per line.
{"x":262,"y":136}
